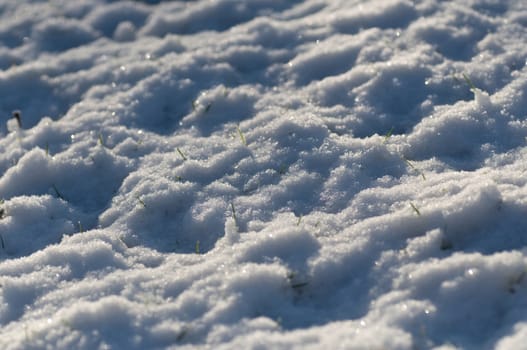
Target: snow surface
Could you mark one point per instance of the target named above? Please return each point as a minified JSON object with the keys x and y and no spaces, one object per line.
{"x":264,"y":174}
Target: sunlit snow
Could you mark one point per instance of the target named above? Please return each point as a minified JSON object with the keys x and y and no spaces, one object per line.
{"x":264,"y":174}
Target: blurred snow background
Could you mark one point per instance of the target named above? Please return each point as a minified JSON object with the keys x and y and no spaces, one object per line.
{"x":263,"y":174}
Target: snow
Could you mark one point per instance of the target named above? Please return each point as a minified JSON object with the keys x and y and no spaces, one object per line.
{"x":263,"y":174}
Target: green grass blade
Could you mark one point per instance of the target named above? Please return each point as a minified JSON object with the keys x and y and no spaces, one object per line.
{"x":415,"y":209}
{"x":242,"y":136}
{"x":181,"y":153}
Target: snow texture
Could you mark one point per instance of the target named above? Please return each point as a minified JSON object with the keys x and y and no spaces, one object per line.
{"x":264,"y":174}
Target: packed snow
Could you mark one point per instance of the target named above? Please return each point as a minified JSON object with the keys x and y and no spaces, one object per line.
{"x":264,"y":174}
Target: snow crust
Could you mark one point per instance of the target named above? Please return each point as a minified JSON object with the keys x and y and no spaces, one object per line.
{"x":263,"y":174}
